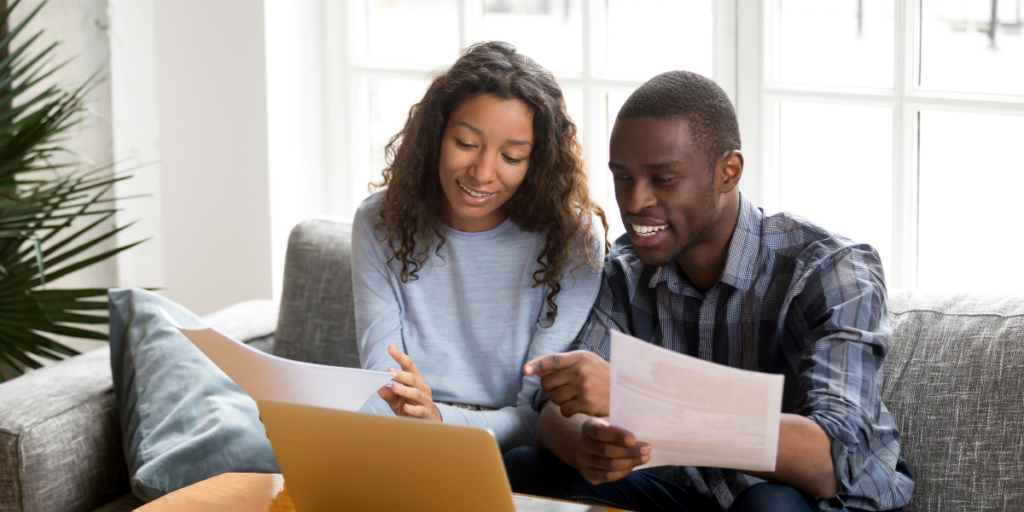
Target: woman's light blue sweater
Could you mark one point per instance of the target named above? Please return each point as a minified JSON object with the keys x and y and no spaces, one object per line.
{"x":470,"y":321}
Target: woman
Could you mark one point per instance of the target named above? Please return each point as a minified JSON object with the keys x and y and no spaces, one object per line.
{"x":483,"y":249}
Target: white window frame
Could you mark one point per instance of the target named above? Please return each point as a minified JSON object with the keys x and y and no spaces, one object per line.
{"x":758,"y":93}
{"x":344,"y":71}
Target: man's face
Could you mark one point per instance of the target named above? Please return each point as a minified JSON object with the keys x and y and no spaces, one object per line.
{"x":664,"y":187}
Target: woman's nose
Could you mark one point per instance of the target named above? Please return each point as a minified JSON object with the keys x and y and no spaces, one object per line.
{"x":486,"y":168}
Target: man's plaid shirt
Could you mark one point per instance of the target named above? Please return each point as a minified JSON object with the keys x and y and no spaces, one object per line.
{"x":794,"y":300}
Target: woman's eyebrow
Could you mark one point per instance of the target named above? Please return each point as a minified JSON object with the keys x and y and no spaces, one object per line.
{"x":478,"y":131}
{"x":474,"y":129}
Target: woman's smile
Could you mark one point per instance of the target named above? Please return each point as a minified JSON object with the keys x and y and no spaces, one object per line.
{"x":476,"y":197}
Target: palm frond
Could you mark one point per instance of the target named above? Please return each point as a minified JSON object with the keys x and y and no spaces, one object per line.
{"x":46,"y":195}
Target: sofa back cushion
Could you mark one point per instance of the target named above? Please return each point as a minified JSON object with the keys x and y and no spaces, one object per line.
{"x":954,"y":379}
{"x":317,"y":322}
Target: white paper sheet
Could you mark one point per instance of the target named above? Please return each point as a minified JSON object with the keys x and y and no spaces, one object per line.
{"x":693,"y":412}
{"x":533,"y":504}
{"x":264,"y":376}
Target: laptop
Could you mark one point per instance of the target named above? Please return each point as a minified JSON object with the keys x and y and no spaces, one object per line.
{"x":333,"y":460}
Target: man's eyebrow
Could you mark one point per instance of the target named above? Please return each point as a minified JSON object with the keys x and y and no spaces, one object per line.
{"x":671,"y":164}
{"x":657,"y":166}
{"x":478,"y":131}
{"x":663,"y":165}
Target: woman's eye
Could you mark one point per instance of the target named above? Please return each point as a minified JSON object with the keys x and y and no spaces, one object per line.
{"x":620,"y":177}
{"x":463,"y":144}
{"x":513,"y":161}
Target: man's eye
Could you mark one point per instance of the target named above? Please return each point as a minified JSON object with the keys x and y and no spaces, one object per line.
{"x":620,"y":177}
{"x":662,"y":179}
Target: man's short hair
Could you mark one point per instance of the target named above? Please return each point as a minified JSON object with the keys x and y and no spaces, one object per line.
{"x":687,"y":95}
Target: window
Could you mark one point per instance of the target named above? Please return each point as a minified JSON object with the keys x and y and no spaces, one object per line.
{"x":893,"y":122}
{"x":599,"y":50}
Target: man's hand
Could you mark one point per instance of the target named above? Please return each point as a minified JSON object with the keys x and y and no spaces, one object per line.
{"x":409,"y":395}
{"x":577,"y":381}
{"x":606,"y":454}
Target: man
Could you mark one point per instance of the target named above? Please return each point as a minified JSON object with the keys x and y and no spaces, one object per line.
{"x":704,"y":272}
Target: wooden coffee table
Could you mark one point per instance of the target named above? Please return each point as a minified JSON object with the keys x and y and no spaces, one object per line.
{"x":228,"y":492}
{"x":248,"y":492}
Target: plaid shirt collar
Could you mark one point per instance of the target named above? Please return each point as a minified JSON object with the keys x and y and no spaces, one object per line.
{"x":740,"y":265}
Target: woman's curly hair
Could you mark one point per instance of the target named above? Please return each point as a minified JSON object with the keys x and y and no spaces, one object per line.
{"x":553,"y":198}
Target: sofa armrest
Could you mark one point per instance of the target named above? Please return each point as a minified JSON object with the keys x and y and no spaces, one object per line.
{"x":60,"y":439}
{"x":60,"y":444}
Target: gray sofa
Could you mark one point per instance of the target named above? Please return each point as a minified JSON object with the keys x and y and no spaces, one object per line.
{"x":953,"y":381}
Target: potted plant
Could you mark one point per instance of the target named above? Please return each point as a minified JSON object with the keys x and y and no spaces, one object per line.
{"x":53,"y":209}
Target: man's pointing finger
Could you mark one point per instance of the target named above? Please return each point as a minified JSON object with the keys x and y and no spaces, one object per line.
{"x":549,"y":363}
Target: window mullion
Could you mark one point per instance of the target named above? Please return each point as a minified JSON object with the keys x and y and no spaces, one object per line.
{"x":590,"y":37}
{"x":359,"y":122}
{"x":749,"y":82}
{"x":724,"y":46}
{"x":592,"y":132}
{"x":470,"y":18}
{"x":338,"y":48}
{"x":903,"y":185}
{"x":905,"y":193}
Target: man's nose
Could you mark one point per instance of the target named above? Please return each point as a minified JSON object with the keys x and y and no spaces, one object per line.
{"x":639,"y":196}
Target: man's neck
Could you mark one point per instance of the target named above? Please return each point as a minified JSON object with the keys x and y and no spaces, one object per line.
{"x":704,"y":264}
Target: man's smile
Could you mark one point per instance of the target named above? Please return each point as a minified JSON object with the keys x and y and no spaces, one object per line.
{"x":646,"y":231}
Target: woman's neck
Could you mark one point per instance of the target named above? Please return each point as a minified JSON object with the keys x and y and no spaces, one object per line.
{"x":478,"y":225}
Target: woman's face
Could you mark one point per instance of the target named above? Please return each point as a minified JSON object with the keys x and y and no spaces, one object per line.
{"x":485,"y":153}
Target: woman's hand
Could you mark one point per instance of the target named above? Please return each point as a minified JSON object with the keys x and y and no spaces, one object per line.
{"x":409,"y":395}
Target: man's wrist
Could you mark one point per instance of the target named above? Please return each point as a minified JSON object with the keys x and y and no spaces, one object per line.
{"x":577,"y":441}
{"x":558,"y":434}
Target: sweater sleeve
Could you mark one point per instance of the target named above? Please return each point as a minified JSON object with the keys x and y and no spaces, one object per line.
{"x":377,"y":307}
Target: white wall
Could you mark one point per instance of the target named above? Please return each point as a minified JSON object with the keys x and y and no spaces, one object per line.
{"x":296,"y":120}
{"x":189,"y":86}
{"x":136,"y":135}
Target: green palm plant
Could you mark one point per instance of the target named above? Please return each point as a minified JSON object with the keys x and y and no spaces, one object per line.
{"x":44,"y":189}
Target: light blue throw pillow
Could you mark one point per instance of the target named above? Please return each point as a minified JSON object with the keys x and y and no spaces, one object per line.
{"x":182,"y":419}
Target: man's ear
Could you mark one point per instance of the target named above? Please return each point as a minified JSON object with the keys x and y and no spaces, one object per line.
{"x":730,"y":170}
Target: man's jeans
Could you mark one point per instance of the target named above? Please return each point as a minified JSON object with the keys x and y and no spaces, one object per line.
{"x":537,"y":471}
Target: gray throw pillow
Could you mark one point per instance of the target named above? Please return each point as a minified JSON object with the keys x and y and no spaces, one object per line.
{"x":182,"y":419}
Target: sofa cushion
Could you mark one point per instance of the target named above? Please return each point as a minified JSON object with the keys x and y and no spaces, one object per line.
{"x":317,"y":323}
{"x":182,"y":419}
{"x":246,"y":321}
{"x":953,"y":382}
